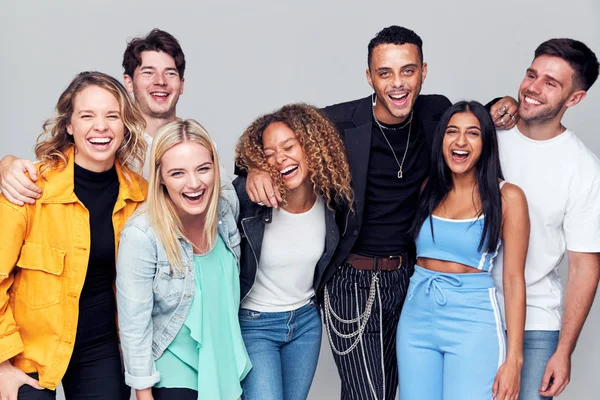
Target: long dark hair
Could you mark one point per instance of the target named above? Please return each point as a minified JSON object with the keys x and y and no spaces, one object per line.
{"x":487,"y":173}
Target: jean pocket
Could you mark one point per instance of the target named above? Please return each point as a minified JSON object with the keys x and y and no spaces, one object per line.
{"x":248,"y":315}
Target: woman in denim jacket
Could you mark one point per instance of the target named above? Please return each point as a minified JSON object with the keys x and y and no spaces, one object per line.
{"x":177,"y":276}
{"x":285,"y":251}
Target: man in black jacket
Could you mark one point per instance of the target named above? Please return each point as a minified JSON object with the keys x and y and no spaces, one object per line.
{"x":387,"y":142}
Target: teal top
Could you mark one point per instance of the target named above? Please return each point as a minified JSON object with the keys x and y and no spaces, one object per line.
{"x":209,"y":352}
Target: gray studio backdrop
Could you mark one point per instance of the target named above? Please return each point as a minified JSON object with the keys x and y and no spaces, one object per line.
{"x":249,"y":57}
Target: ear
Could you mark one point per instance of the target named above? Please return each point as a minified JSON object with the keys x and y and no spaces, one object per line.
{"x":575,"y":98}
{"x":424,"y":72}
{"x":369,"y":79}
{"x":128,"y":83}
{"x":69,"y":129}
{"x":181,"y":87}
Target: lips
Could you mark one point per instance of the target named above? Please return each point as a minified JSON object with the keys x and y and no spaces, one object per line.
{"x":159,"y":96}
{"x":460,"y":156}
{"x":289,"y":171}
{"x":100,"y":142}
{"x":399,"y":99}
{"x":531,"y":100}
{"x":194,"y":198}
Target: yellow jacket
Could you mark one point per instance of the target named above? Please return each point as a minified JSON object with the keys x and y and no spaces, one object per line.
{"x":44,"y":253}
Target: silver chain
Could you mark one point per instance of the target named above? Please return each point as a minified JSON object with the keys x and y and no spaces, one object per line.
{"x":361,"y":320}
{"x":400,"y":164}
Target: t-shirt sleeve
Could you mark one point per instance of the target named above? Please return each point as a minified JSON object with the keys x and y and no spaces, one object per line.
{"x":582,"y":222}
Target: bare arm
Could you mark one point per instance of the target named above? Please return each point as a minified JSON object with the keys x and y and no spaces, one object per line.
{"x":260,"y":188}
{"x":17,"y":187}
{"x":584,"y":273}
{"x":515,"y":237}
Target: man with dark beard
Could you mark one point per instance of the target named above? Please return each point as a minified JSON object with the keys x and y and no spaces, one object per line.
{"x":561,"y":179}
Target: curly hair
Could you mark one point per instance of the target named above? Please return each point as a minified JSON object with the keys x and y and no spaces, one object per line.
{"x":324,"y":151}
{"x":54,"y":141}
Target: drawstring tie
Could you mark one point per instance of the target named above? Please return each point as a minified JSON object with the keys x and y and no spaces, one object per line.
{"x":432,"y":284}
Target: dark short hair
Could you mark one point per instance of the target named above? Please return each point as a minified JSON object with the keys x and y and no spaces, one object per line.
{"x":580,"y":57}
{"x":156,"y":40}
{"x":394,"y":35}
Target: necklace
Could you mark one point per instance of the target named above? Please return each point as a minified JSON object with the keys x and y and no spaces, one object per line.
{"x":400,"y":164}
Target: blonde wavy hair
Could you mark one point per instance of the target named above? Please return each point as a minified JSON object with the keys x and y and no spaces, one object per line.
{"x":160,"y":208}
{"x":54,"y":141}
{"x":324,"y":151}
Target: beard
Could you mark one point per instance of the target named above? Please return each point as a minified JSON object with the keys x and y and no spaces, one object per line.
{"x":545,"y":114}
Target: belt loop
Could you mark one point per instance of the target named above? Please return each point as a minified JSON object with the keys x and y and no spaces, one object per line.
{"x":375,"y":262}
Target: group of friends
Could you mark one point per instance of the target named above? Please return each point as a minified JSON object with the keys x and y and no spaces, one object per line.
{"x":424,"y":237}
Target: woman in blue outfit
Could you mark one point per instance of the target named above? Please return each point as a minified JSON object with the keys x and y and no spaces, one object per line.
{"x":451,"y":342}
{"x":177,"y":276}
{"x":285,"y":251}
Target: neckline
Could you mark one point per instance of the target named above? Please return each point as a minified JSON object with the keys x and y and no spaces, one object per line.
{"x":458,"y":220}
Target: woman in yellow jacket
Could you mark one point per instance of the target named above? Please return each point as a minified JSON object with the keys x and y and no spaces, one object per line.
{"x":57,"y":256}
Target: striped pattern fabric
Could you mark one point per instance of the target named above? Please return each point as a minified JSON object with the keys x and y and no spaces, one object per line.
{"x":361,"y":375}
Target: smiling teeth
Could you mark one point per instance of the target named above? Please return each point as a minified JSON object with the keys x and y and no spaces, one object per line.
{"x":159,"y":94}
{"x":529,"y":100}
{"x":100,"y":140}
{"x":398,"y":96}
{"x":195,"y":194}
{"x":460,"y":152}
{"x":288,"y":169}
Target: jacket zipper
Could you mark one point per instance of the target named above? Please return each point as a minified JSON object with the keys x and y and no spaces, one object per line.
{"x":253,"y":253}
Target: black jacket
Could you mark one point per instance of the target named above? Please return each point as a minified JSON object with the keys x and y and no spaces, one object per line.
{"x":354,"y":121}
{"x":251,"y":225}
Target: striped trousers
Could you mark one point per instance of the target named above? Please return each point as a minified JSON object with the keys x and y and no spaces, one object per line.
{"x":369,"y":370}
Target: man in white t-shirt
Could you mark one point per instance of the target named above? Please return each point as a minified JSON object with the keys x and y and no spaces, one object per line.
{"x":561,"y":179}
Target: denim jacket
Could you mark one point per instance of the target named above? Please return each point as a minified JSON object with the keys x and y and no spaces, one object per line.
{"x":153,"y":301}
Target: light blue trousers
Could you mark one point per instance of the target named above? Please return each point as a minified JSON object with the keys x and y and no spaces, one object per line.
{"x":450,"y":340}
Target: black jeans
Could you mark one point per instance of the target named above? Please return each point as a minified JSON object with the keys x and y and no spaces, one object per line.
{"x":94,"y":373}
{"x":174,"y":394}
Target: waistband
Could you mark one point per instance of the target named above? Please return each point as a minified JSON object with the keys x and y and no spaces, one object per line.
{"x":473,"y":280}
{"x":376,"y":263}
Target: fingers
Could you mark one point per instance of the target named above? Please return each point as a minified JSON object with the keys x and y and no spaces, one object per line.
{"x":548,"y":373}
{"x":34,"y":383}
{"x":260,"y":189}
{"x":495,"y":387}
{"x":31,"y":170}
{"x":19,"y":189}
{"x":559,"y":383}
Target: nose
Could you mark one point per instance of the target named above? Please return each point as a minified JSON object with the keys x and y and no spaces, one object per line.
{"x":194,"y":181}
{"x":159,"y":79}
{"x":100,"y":124}
{"x":280,"y":157}
{"x":398,"y":82}
{"x":461,"y":140}
{"x":535,"y":86}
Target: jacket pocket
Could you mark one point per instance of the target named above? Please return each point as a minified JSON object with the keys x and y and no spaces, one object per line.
{"x":169,"y":283}
{"x":39,"y":282}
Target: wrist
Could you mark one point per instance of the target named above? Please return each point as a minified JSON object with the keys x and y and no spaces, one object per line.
{"x":515,"y":359}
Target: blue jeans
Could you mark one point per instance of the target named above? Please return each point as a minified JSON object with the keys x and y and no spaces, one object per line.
{"x":284,"y":350}
{"x":538,"y":347}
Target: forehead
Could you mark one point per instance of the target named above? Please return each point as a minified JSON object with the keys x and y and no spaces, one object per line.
{"x":276,"y":133}
{"x":184,"y":154}
{"x":156,"y":59}
{"x":95,"y":97}
{"x":464,"y":119}
{"x":391,"y":55}
{"x":555,"y":67}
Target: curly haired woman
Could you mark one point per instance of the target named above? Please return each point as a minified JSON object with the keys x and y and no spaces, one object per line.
{"x":285,"y":251}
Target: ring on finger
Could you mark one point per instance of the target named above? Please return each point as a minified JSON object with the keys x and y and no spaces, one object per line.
{"x":502,"y":121}
{"x":271,"y":195}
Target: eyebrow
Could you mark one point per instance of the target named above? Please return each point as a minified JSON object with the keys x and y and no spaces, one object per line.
{"x":468,"y":127}
{"x":403,"y":67}
{"x":181,"y":169}
{"x":549,"y":77}
{"x":150,"y":67}
{"x":282,"y":144}
{"x":94,"y":112}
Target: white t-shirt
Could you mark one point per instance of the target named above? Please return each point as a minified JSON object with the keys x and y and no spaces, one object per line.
{"x":561,"y":180}
{"x":292,"y":245}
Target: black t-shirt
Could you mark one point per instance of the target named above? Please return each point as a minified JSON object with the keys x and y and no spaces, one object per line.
{"x":390,"y":202}
{"x":97,"y":306}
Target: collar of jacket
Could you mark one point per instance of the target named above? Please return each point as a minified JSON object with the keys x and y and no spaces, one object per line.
{"x":60,"y":183}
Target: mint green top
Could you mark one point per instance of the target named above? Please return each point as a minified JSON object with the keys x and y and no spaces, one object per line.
{"x":208,"y":353}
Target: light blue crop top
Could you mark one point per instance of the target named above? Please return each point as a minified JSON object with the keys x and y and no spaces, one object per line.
{"x":456,"y":240}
